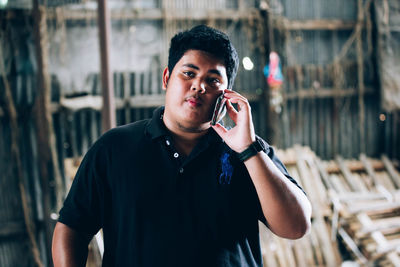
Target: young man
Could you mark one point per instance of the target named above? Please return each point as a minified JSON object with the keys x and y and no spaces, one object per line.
{"x":176,"y":191}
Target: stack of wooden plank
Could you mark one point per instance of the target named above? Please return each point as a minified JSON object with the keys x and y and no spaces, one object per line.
{"x":356,"y":202}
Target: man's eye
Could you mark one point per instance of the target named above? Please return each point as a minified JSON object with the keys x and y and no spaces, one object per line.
{"x":214,"y":81}
{"x":189,"y":74}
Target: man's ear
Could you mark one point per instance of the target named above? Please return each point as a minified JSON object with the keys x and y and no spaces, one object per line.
{"x":165,"y":78}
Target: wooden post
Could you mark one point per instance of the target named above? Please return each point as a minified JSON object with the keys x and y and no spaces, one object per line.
{"x":11,"y":112}
{"x":108,"y":110}
{"x":48,"y":163}
{"x":271,"y":119}
{"x":360,"y":75}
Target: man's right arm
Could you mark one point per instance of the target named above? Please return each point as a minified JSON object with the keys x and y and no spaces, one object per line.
{"x":69,"y":248}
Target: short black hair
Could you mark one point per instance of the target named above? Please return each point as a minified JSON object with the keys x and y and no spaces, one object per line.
{"x":209,"y":40}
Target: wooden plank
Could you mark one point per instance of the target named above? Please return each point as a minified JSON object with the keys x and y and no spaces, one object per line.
{"x":322,"y":93}
{"x":281,"y":257}
{"x":266,"y":244}
{"x":354,"y":166}
{"x":352,"y":246}
{"x":338,"y":184}
{"x":319,"y":254}
{"x":45,"y":137}
{"x":316,"y":180}
{"x":369,"y":169}
{"x":361,"y":187}
{"x":308,"y":250}
{"x":314,"y":24}
{"x":374,"y":208}
{"x":356,"y":196}
{"x":132,"y":13}
{"x":146,"y":86}
{"x":379,"y":238}
{"x":10,"y":228}
{"x":138,"y":83}
{"x":323,"y":174}
{"x":360,"y":75}
{"x":395,"y":177}
{"x":126,"y":96}
{"x":347,"y":174}
{"x":381,"y":225}
{"x":298,"y":251}
{"x":286,"y":246}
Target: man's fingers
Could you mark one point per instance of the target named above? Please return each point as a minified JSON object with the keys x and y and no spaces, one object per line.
{"x":221,"y":130}
{"x":231,"y":111}
{"x":241,"y":101}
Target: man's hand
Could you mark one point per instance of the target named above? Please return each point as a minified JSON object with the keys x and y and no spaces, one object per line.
{"x":285,"y":207}
{"x":242,"y":135}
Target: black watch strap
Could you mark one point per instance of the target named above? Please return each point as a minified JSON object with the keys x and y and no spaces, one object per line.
{"x":252,"y":150}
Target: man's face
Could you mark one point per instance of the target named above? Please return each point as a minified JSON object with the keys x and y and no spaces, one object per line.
{"x":192,"y":88}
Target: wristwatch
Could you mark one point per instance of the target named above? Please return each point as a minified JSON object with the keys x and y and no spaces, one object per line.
{"x":252,"y":150}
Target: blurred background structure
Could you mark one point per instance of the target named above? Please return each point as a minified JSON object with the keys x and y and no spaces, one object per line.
{"x":340,"y":96}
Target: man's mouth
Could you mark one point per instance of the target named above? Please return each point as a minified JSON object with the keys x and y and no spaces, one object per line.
{"x":194,"y":102}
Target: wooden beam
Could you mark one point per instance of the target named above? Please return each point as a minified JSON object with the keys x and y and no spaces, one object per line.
{"x":44,"y":126}
{"x":140,"y":101}
{"x":394,"y":176}
{"x":12,"y":228}
{"x":347,"y":174}
{"x":108,"y":117}
{"x":379,"y":238}
{"x":315,"y":24}
{"x":352,"y":246}
{"x":360,"y":75}
{"x":355,"y":166}
{"x":323,"y":93}
{"x":159,"y":14}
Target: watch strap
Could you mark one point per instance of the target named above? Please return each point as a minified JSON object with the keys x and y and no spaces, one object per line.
{"x":252,"y":150}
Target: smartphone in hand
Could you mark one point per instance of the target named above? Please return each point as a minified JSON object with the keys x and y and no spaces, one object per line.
{"x":219,"y":109}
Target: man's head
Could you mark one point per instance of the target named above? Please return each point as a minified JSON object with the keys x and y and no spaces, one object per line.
{"x":209,"y":40}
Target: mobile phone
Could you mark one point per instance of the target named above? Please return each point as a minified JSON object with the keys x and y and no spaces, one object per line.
{"x":219,"y":109}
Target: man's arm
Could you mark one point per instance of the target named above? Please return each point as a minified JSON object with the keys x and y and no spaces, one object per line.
{"x":69,"y":248}
{"x":284,"y":205}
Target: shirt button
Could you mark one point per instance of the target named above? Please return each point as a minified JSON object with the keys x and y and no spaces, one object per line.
{"x":176,"y":155}
{"x":181,"y":170}
{"x":167,"y":142}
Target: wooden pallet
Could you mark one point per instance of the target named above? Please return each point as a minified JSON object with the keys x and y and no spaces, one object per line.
{"x":317,"y":248}
{"x":357,"y":201}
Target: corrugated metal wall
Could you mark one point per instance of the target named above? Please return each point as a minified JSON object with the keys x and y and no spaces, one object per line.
{"x":323,"y":105}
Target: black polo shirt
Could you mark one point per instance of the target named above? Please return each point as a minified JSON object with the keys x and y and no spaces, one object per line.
{"x":158,"y":208}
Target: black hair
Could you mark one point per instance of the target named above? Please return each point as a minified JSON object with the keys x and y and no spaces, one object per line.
{"x":209,"y":40}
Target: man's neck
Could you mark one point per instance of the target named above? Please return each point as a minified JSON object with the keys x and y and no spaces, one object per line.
{"x":185,"y":138}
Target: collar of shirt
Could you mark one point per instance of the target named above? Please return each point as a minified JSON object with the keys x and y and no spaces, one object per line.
{"x":156,"y":128}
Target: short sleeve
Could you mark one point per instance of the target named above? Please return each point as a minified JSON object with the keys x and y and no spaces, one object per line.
{"x":83,"y":207}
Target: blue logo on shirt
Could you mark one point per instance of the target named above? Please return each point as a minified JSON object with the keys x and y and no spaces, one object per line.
{"x":226,"y":168}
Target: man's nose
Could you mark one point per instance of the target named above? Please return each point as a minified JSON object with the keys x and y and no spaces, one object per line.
{"x":199,"y":86}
